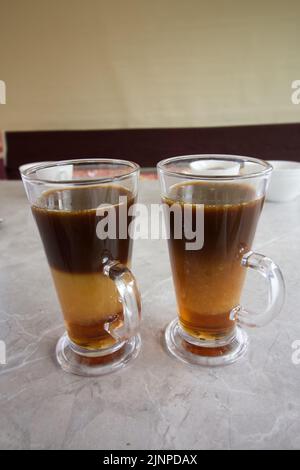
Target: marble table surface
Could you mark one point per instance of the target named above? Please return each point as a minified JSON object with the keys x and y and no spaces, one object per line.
{"x":156,"y":402}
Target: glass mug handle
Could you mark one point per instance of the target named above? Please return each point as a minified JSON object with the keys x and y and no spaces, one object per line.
{"x":130,"y":297}
{"x":276,"y":291}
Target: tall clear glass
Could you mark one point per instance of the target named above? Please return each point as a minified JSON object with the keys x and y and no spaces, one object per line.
{"x":82,"y":210}
{"x":212,"y":205}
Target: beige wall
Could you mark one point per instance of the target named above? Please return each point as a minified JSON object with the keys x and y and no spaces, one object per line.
{"x":76,"y":64}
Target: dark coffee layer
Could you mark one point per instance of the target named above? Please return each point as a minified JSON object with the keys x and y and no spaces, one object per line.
{"x":231,"y":212}
{"x":67,"y":222}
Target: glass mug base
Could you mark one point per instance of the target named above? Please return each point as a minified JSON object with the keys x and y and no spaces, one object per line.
{"x":80,"y":361}
{"x":205,"y":353}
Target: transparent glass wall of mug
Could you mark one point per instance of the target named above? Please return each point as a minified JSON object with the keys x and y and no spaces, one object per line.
{"x":221,"y":197}
{"x":90,"y":261}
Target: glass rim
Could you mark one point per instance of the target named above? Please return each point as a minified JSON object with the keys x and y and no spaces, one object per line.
{"x":266,"y":166}
{"x":133,"y":168}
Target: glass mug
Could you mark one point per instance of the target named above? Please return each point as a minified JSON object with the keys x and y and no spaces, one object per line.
{"x":97,"y":292}
{"x":221,"y":198}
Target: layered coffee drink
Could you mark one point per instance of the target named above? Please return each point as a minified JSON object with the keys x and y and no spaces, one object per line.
{"x":67,"y":220}
{"x":208,"y":282}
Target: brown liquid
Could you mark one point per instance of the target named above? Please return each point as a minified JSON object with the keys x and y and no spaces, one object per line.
{"x":209,"y":281}
{"x":67,"y":223}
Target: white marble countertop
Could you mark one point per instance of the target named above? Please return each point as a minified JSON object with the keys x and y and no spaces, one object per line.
{"x":156,"y":402}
